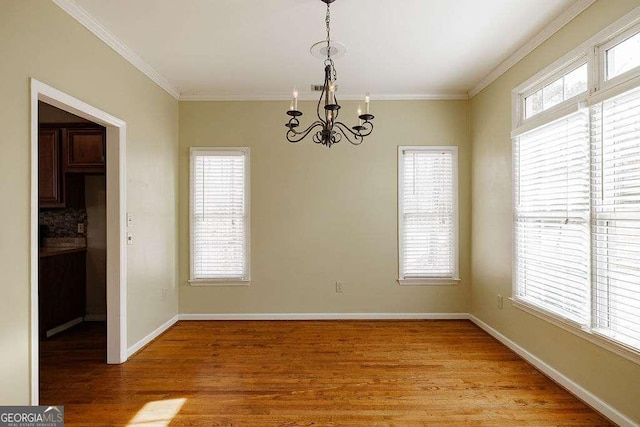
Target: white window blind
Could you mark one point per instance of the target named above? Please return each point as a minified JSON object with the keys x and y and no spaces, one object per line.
{"x":428,"y":212}
{"x":219,"y":233}
{"x":552,"y":216}
{"x":616,"y":217}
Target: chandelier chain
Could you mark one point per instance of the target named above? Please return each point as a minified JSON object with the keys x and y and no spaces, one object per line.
{"x":329,"y":61}
{"x":327,"y":21}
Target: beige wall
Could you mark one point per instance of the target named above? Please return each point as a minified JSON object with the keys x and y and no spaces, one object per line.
{"x":320,"y":215}
{"x":610,"y":377}
{"x":50,"y":114}
{"x":38,"y":39}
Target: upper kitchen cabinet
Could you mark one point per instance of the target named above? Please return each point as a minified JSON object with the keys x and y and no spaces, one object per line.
{"x":49,"y":171}
{"x":84,"y":150}
{"x":66,"y":153}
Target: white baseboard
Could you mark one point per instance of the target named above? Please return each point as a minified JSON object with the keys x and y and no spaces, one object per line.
{"x":325,"y":316}
{"x":71,"y":323}
{"x":95,"y":317}
{"x":153,"y":335}
{"x":574,"y":388}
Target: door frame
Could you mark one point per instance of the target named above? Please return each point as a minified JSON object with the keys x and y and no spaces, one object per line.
{"x":116,"y":224}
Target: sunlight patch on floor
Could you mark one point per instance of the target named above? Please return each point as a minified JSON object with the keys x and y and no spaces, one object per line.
{"x":157,"y":414}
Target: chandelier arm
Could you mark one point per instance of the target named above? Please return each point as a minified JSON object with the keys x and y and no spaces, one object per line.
{"x":295,"y":136}
{"x":320,"y":102}
{"x":344,"y":130}
{"x":368,"y":128}
{"x":325,"y":88}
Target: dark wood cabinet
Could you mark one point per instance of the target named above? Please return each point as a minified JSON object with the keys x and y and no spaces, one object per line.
{"x":84,"y":150}
{"x":66,"y":153}
{"x":49,"y":170}
{"x":61,"y":289}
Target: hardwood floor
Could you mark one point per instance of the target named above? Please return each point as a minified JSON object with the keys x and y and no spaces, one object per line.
{"x":307,"y":373}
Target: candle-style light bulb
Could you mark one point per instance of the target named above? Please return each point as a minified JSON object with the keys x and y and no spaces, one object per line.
{"x":291,"y":106}
{"x":295,"y":98}
{"x":332,"y":92}
{"x":367,"y":99}
{"x":359,"y":114}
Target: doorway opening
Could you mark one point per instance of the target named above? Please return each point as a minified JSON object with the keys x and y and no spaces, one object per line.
{"x":72,"y":243}
{"x":78,"y":222}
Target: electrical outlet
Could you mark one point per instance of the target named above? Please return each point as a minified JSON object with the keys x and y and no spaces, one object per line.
{"x":129,"y":220}
{"x":499,"y":300}
{"x":81,"y":227}
{"x":165,"y":294}
{"x":339,"y":287}
{"x":129,"y":239}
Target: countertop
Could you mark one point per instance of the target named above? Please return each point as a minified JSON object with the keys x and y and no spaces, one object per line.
{"x":62,"y":245}
{"x":51,"y":251}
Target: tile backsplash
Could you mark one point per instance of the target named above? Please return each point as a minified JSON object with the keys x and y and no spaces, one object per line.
{"x":62,"y":222}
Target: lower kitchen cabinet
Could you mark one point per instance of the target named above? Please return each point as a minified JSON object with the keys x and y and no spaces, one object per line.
{"x":61,"y":289}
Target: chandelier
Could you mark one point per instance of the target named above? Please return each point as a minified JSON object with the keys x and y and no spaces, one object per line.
{"x":328,"y":129}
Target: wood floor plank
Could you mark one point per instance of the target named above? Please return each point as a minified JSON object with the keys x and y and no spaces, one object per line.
{"x":305,"y":373}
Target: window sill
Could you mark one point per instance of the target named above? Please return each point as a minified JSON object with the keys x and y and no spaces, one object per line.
{"x":219,"y":282}
{"x":576,"y":329}
{"x":428,"y":282}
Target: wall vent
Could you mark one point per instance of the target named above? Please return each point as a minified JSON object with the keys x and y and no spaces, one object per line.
{"x":318,"y":88}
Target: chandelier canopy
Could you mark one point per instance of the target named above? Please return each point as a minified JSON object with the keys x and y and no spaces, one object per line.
{"x":328,"y":130}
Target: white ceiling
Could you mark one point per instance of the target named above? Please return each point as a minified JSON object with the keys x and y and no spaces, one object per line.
{"x":259,"y":49}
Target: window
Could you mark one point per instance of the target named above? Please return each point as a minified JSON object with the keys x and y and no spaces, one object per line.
{"x":623,"y":57}
{"x":577,"y":193}
{"x":566,"y":87}
{"x":219,"y":215}
{"x":428,"y":215}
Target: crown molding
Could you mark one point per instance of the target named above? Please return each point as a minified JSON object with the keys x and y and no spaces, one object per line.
{"x":430,"y":96}
{"x":89,"y":22}
{"x":553,"y":27}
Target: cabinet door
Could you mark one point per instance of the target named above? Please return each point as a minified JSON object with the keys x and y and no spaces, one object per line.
{"x":49,"y":176}
{"x":61,"y":289}
{"x":84,"y":150}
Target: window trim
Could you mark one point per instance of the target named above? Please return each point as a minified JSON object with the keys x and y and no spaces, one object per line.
{"x":219,"y":151}
{"x":433,"y":281}
{"x":598,"y":90}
